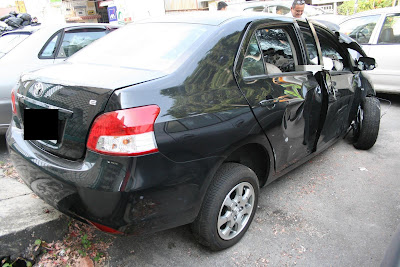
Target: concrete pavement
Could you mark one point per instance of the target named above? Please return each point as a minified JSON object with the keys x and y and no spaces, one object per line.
{"x":24,"y":218}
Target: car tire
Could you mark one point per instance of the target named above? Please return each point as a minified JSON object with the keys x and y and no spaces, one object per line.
{"x":366,"y":126}
{"x":226,"y":214}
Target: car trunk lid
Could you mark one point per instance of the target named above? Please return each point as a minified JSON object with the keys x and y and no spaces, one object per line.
{"x":79,"y":92}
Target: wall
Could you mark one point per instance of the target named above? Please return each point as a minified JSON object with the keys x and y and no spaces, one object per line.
{"x":45,"y":11}
{"x":129,"y":10}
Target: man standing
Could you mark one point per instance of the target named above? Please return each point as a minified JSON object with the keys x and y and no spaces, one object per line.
{"x":222,"y":6}
{"x":297,"y":9}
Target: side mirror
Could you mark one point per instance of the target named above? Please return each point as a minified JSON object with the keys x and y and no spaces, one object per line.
{"x":366,"y":63}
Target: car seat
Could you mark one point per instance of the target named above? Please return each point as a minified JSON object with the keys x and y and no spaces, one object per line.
{"x":386,"y":36}
{"x":72,"y":49}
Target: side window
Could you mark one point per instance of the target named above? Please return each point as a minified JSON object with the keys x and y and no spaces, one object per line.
{"x":75,"y":40}
{"x":50,"y":49}
{"x":361,"y":28}
{"x":310,"y":46}
{"x":332,"y":57}
{"x":253,"y":62}
{"x":277,"y":50}
{"x":390,"y":33}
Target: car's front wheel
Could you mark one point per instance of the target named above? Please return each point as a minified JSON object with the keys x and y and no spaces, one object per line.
{"x":366,"y":126}
{"x":228,"y":208}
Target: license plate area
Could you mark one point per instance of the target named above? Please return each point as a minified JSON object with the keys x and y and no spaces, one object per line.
{"x":41,"y":124}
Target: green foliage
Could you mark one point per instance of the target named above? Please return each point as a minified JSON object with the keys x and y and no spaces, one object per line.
{"x":98,"y":256}
{"x":82,"y":253}
{"x":38,"y":242}
{"x":85,"y":241}
{"x":347,"y":8}
{"x":15,"y":263}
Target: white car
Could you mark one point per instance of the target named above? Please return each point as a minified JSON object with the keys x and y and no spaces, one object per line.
{"x":283,"y":8}
{"x":33,"y":47}
{"x":378,"y":31}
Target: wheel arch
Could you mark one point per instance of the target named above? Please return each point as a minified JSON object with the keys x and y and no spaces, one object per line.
{"x":255,"y":157}
{"x":364,"y":89}
{"x":242,"y":153}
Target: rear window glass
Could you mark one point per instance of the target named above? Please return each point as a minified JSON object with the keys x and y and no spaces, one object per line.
{"x":153,"y":46}
{"x":9,"y":41}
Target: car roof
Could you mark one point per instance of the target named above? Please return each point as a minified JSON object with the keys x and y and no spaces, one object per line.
{"x":245,"y":5}
{"x":55,"y":27}
{"x":26,"y":29}
{"x":376,"y":11}
{"x":213,"y":18}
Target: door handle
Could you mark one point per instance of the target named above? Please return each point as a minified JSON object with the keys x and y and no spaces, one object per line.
{"x":268,"y":103}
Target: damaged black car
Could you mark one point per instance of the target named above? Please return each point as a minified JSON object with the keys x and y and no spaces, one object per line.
{"x":181,"y":119}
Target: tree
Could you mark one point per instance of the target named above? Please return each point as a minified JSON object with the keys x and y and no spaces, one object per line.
{"x":347,"y":8}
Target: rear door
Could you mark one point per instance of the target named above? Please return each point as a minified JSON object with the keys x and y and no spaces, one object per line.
{"x":285,"y":97}
{"x":385,"y":47}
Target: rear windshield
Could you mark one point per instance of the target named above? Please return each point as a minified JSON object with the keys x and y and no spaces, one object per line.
{"x":153,"y":46}
{"x":9,"y":41}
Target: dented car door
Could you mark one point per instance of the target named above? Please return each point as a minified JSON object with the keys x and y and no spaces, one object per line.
{"x":285,"y":97}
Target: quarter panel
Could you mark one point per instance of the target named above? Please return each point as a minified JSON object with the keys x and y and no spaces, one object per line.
{"x":203,"y":112}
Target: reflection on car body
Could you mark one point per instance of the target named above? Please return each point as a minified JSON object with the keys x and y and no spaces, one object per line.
{"x":189,"y":135}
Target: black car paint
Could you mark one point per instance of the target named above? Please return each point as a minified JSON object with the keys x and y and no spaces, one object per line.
{"x":205,"y":120}
{"x":76,"y":122}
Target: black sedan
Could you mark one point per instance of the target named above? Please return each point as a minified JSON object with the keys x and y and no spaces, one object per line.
{"x":182,"y":119}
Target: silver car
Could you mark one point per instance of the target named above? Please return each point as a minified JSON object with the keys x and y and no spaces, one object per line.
{"x":378,"y":31}
{"x":36,"y":46}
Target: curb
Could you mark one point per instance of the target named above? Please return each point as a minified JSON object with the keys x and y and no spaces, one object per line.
{"x":25,"y":218}
{"x":15,"y":244}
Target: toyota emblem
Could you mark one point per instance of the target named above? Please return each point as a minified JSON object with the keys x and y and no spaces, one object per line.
{"x":38,"y":89}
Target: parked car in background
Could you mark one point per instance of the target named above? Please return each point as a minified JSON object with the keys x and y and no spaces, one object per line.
{"x":33,"y":47}
{"x":378,"y":31}
{"x":283,"y":8}
{"x":181,"y":119}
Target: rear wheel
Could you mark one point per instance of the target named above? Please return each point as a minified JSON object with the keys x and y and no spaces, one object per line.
{"x":366,"y":126}
{"x":228,"y":208}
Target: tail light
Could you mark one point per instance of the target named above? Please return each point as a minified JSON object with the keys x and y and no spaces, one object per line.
{"x":128,"y":132}
{"x":13,"y":106}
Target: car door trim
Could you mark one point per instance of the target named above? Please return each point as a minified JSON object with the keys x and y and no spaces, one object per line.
{"x":274,"y":75}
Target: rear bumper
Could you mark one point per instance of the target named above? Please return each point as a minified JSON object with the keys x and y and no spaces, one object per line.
{"x":130,"y":194}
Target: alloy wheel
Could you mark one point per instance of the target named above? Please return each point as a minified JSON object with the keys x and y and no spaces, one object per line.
{"x":236,"y":210}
